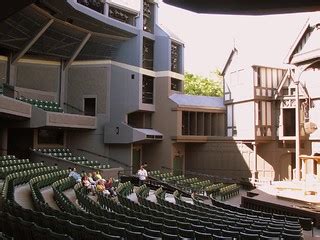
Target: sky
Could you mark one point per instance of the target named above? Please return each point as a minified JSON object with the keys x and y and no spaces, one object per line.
{"x":209,"y":38}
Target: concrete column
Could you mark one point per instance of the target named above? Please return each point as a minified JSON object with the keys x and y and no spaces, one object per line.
{"x":304,"y":168}
{"x":297,"y":111}
{"x":106,"y":9}
{"x":11,"y":72}
{"x":4,"y":141}
{"x":255,"y":165}
{"x":139,"y":19}
{"x":61,"y":86}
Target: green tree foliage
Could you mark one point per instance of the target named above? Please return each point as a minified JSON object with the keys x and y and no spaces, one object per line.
{"x":198,"y":85}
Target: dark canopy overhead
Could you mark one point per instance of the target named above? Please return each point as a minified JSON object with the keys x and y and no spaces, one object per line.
{"x":61,"y":39}
{"x":10,"y":7}
{"x":247,"y":7}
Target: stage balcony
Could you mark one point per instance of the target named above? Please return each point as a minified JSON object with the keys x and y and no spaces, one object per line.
{"x":42,"y":118}
{"x":124,"y":134}
{"x":10,"y":107}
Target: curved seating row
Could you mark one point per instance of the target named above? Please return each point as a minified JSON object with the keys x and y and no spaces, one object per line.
{"x":112,"y":219}
{"x":43,"y":181}
{"x":4,"y":171}
{"x":66,"y":154}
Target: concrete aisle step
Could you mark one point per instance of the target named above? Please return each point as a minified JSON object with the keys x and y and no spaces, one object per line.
{"x":47,"y":194}
{"x":22,"y":195}
{"x":1,"y":183}
{"x":71,"y":195}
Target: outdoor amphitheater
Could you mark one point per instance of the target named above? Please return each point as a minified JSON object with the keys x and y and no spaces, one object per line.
{"x":98,"y":139}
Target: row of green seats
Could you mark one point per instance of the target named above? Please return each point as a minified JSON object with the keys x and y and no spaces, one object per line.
{"x":7,"y":157}
{"x":53,"y":150}
{"x":45,"y":105}
{"x":37,"y":101}
{"x":4,"y":171}
{"x":4,"y":163}
{"x":65,"y":153}
{"x":60,"y":154}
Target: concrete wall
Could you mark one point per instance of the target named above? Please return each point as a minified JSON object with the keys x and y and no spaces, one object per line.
{"x":123,"y":153}
{"x":43,"y":77}
{"x":90,"y":80}
{"x":236,"y":159}
{"x":162,"y":49}
{"x":36,"y":94}
{"x":161,"y":153}
{"x":126,"y":93}
{"x":3,"y":71}
{"x":130,"y":52}
{"x":225,"y":159}
{"x":90,"y":140}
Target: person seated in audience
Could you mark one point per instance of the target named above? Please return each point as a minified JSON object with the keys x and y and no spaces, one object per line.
{"x":100,"y":188}
{"x":73,"y":173}
{"x":109,"y":187}
{"x":98,"y":175}
{"x":90,"y":178}
{"x":86,"y":183}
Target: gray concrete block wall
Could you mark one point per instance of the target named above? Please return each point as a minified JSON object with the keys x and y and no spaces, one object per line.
{"x":122,"y":153}
{"x":165,"y":121}
{"x":235,"y":159}
{"x":130,"y":52}
{"x":38,"y":76}
{"x":88,"y":81}
{"x":125,"y":94}
{"x":225,"y":159}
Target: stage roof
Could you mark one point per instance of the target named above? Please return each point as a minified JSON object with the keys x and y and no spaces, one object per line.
{"x":61,"y":39}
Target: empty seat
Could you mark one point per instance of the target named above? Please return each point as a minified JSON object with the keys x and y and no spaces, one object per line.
{"x":168,"y":236}
{"x":202,"y":236}
{"x":249,"y":236}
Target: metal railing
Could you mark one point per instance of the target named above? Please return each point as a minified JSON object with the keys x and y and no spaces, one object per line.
{"x":74,"y":109}
{"x":107,"y":158}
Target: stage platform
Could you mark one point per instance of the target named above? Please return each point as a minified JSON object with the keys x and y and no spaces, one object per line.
{"x":298,"y":198}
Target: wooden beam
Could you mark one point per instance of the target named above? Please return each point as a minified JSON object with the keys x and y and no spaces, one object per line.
{"x":76,"y":53}
{"x":20,"y":54}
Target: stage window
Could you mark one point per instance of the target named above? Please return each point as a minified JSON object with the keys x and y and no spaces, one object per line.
{"x":148,"y":16}
{"x":176,"y":85}
{"x":202,"y":124}
{"x":147,"y":89}
{"x":97,"y":6}
{"x":147,"y":54}
{"x":122,"y":16}
{"x":140,"y":119}
{"x":289,"y":119}
{"x":90,"y":106}
{"x":175,"y":57}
